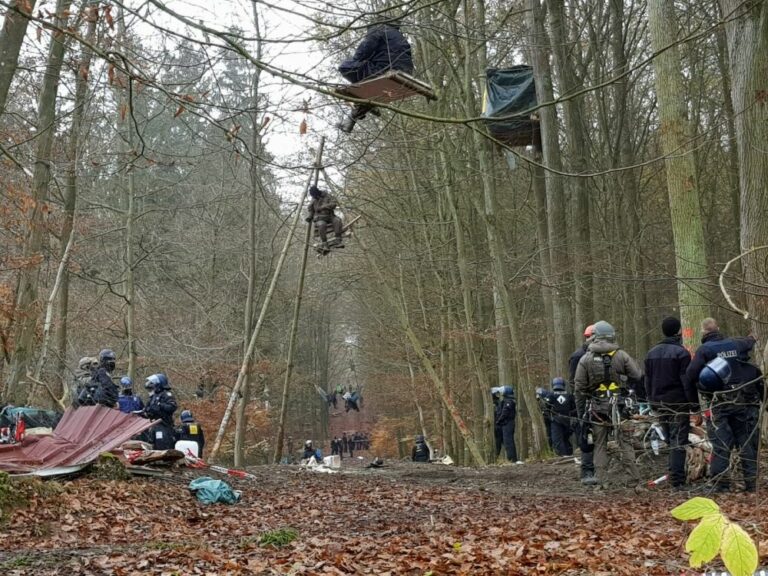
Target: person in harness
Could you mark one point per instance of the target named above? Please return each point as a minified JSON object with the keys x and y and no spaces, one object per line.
{"x":420,"y":452}
{"x":83,"y":387}
{"x":191,"y":431}
{"x":598,"y":379}
{"x":383,"y":48}
{"x":321,"y":211}
{"x":128,"y":402}
{"x":562,"y":410}
{"x":161,"y":406}
{"x":733,"y":388}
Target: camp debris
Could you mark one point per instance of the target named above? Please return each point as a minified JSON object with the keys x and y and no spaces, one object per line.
{"x":211,"y":491}
{"x":391,"y":86}
{"x":78,"y":439}
{"x":510,"y":94}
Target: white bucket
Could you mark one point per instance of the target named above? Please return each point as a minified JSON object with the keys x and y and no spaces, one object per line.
{"x":187,"y":446}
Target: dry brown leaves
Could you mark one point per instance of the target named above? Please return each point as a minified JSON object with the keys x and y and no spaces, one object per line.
{"x":347,"y":525}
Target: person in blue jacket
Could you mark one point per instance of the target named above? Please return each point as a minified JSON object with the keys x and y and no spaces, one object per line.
{"x":129,"y":402}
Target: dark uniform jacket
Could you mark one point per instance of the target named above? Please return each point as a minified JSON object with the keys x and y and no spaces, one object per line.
{"x":561,"y":406}
{"x":420,"y":452}
{"x":161,"y":406}
{"x":106,"y":392}
{"x":193,"y":432}
{"x":735,"y":351}
{"x":665,"y":381}
{"x":507,"y":411}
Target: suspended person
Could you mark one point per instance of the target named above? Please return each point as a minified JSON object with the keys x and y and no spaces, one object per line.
{"x":562,"y":409}
{"x":382,"y":49}
{"x":671,"y":395}
{"x":420,"y":451}
{"x":582,"y":428}
{"x":161,"y":406}
{"x":191,"y":431}
{"x":598,"y":378}
{"x":106,"y":392}
{"x":128,"y":402}
{"x":321,"y":211}
{"x":734,"y":390}
{"x":506,"y":421}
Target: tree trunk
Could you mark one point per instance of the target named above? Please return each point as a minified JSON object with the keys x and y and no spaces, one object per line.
{"x":27,"y":307}
{"x":241,"y":423}
{"x":556,"y":199}
{"x":746,"y":27}
{"x":295,"y":325}
{"x":577,"y":154}
{"x":690,"y":259}
{"x":82,"y":73}
{"x":11,"y":39}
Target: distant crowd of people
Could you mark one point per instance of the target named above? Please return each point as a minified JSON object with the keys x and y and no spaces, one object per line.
{"x":349,"y":444}
{"x":94,"y":385}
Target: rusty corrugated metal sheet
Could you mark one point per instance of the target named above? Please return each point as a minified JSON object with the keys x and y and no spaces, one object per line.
{"x":79,"y":438}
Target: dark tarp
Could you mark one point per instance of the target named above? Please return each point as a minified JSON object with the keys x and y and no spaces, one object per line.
{"x":508,"y":92}
{"x":81,"y":435}
{"x":33,"y":417}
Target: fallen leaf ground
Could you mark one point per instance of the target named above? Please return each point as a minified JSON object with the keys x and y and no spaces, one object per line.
{"x":400,"y":520}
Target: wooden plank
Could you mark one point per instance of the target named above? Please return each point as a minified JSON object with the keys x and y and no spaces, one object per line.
{"x":392,"y":86}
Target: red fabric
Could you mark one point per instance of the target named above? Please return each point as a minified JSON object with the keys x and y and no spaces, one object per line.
{"x":82,"y":434}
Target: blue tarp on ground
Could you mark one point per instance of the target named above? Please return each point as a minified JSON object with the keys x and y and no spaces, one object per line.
{"x":211,"y":491}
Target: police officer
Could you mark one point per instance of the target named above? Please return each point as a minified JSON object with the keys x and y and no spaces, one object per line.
{"x":671,"y":395}
{"x":161,"y":406}
{"x":129,"y":402}
{"x":311,"y":453}
{"x":191,"y":431}
{"x":106,"y":392}
{"x":506,"y":421}
{"x":420,"y":452}
{"x":562,"y":407}
{"x":734,"y":391}
{"x":546,"y":413}
{"x":582,"y":429}
{"x":598,"y":377}
{"x":498,"y":435}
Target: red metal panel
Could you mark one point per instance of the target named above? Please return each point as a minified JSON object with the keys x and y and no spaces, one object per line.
{"x":80,"y":437}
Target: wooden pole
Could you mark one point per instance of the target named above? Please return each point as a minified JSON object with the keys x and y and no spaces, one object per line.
{"x":262,"y":314}
{"x":295,"y":322}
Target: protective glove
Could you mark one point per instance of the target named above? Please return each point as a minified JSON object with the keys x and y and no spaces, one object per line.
{"x":644,"y":408}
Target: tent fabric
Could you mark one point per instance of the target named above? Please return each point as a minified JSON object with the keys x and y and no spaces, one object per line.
{"x":81,"y":435}
{"x":510,"y":92}
{"x":210,"y":491}
{"x":33,"y":417}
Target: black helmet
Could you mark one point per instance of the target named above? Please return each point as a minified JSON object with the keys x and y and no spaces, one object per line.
{"x":558,"y":384}
{"x":107,"y":359}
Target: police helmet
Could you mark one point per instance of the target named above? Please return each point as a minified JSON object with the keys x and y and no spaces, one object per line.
{"x":162,"y":382}
{"x":126,"y":382}
{"x":507,"y":391}
{"x":715,"y":375}
{"x":308,"y":444}
{"x":420,"y":438}
{"x":497,"y":390}
{"x":558,"y":383}
{"x":107,"y":355}
{"x":604,"y":331}
{"x":186,"y":416}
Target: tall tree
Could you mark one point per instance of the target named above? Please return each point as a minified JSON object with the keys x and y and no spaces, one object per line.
{"x":690,"y":259}
{"x":26,"y":310}
{"x":746,"y":27}
{"x":11,"y":39}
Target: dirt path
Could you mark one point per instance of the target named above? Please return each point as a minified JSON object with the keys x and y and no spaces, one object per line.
{"x":404,"y":519}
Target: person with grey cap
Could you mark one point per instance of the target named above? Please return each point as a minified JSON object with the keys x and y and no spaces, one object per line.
{"x":604,"y":371}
